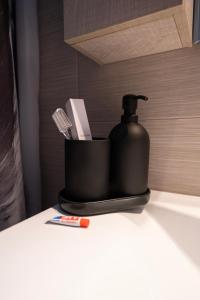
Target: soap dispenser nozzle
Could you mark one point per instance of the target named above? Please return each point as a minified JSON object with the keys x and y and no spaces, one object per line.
{"x":145,"y":98}
{"x":129,"y":104}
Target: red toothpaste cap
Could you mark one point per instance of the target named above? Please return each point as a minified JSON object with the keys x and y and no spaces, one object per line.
{"x":84,"y":222}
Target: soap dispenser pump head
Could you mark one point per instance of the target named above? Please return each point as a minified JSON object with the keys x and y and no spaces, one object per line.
{"x":129,"y":104}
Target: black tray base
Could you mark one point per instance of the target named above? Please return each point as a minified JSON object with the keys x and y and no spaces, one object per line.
{"x":135,"y":203}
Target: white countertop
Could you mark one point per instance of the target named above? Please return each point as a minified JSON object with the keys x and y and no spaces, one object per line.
{"x":154,"y":255}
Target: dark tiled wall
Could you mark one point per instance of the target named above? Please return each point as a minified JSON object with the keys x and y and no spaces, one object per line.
{"x":172,"y":116}
{"x":171,"y":80}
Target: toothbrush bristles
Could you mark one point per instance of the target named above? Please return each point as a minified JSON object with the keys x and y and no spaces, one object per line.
{"x":61,"y":119}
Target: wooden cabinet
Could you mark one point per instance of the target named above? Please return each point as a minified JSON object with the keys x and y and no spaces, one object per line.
{"x":114,"y":30}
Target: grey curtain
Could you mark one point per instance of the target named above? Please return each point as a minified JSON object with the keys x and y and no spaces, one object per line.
{"x":12,"y":204}
{"x":19,"y":116}
{"x":28,"y":91}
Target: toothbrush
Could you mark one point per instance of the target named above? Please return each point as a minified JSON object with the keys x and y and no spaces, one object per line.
{"x":63,"y":123}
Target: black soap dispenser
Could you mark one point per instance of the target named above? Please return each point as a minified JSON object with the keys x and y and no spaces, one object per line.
{"x":129,"y":151}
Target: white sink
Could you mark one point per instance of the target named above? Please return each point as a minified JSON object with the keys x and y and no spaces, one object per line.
{"x":154,"y":255}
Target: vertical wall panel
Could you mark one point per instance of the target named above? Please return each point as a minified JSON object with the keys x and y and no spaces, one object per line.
{"x":28,"y":90}
{"x":58,"y":81}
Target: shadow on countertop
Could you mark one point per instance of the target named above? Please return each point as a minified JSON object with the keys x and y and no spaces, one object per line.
{"x":183,"y":229}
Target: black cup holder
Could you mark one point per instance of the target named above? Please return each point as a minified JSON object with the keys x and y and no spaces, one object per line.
{"x":87,"y":181}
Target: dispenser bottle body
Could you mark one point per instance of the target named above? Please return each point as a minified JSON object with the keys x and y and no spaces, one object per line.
{"x":130,"y":145}
{"x":129,"y":159}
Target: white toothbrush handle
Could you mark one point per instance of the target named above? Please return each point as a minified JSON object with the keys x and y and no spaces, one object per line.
{"x":66,"y":135}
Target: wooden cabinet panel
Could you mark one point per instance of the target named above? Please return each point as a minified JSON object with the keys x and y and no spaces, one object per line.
{"x":111,"y":31}
{"x":148,"y":38}
{"x":84,"y":16}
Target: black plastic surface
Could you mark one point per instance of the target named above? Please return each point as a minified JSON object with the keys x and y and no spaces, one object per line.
{"x":90,"y":208}
{"x":129,"y":155}
{"x":87,"y":169}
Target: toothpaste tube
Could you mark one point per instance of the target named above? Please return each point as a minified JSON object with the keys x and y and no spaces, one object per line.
{"x":70,"y":221}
